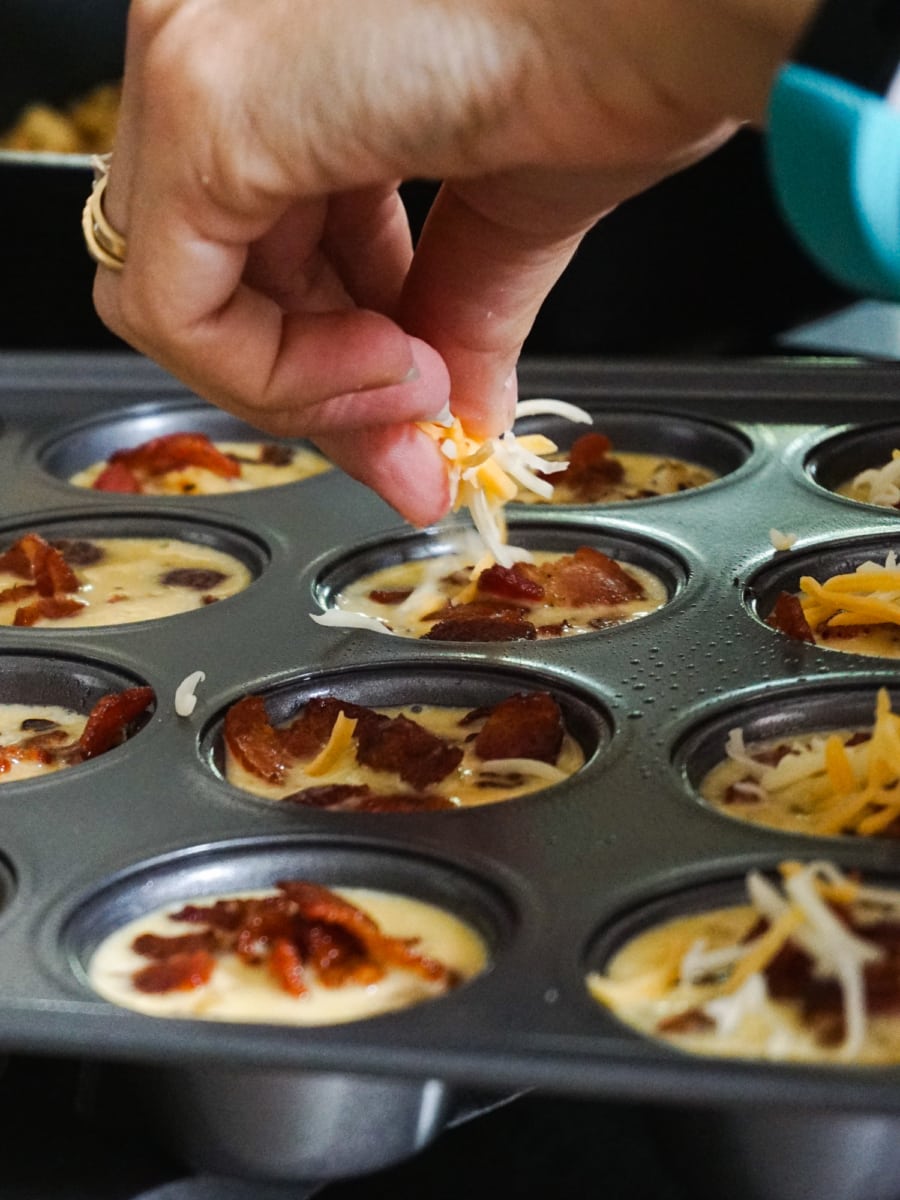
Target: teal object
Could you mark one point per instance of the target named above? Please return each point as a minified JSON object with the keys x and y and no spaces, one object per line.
{"x":834,"y":160}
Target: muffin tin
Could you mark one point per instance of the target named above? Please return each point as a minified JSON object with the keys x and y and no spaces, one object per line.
{"x":547,"y":879}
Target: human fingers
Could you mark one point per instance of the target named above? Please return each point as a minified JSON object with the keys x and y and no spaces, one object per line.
{"x":231,"y":297}
{"x":399,"y":462}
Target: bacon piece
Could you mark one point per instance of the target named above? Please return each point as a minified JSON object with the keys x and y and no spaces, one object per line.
{"x":109,"y":719}
{"x":286,"y":965}
{"x":318,"y":904}
{"x":586,"y":577}
{"x":482,"y":629}
{"x":157,"y":946}
{"x":50,"y":608}
{"x":79,"y":552}
{"x":272,"y":454}
{"x":590,"y":471}
{"x":199,"y":579}
{"x":173,"y":451}
{"x":692,"y":1020}
{"x":398,"y":744}
{"x":117,"y":477}
{"x":389,"y":595}
{"x":302,"y":926}
{"x":251,"y":739}
{"x":359,"y":797}
{"x":829,"y":631}
{"x":18,"y":752}
{"x":178,"y":973}
{"x":31,"y":557}
{"x":309,"y":732}
{"x":19,"y":591}
{"x":787,"y":617}
{"x":527,"y":725}
{"x":510,"y":583}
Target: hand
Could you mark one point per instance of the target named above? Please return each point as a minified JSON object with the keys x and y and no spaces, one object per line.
{"x":269,"y":260}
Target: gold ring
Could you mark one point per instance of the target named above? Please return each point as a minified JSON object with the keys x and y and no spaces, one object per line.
{"x":105,"y":244}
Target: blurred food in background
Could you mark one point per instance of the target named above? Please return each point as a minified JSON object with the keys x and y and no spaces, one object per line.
{"x":85,"y":126}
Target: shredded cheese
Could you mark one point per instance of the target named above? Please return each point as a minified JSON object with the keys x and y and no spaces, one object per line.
{"x":782,"y":541}
{"x":340,"y":741}
{"x":185,"y":693}
{"x":837,"y":787}
{"x":879,"y":485}
{"x":870,"y":595}
{"x":525,"y":766}
{"x":485,"y":474}
{"x":728,"y":983}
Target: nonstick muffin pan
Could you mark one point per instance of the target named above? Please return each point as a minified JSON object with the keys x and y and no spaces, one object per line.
{"x":545,"y":879}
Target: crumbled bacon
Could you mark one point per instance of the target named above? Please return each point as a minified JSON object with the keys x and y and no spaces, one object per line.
{"x":586,"y":577}
{"x":199,"y":579}
{"x":389,"y":595}
{"x":791,"y":975}
{"x":510,"y":583}
{"x":528,"y":725}
{"x":359,"y":797}
{"x":175,"y":973}
{"x":787,"y":617}
{"x":50,"y":608}
{"x":308,"y":733}
{"x":252,"y":740}
{"x":692,"y":1020}
{"x":117,"y":477}
{"x":109,"y":723}
{"x":826,"y":630}
{"x":302,"y":927}
{"x":79,"y":552}
{"x":34,"y":559}
{"x":590,"y":471}
{"x":173,"y":452}
{"x":503,"y":627}
{"x":111,"y":718}
{"x":398,"y":744}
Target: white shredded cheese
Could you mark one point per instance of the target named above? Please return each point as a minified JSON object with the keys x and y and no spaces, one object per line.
{"x":185,"y":693}
{"x":546,"y":407}
{"x":525,"y":766}
{"x":782,"y":541}
{"x":339,"y":618}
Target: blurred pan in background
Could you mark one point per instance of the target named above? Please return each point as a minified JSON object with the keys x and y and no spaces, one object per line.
{"x":701,"y":264}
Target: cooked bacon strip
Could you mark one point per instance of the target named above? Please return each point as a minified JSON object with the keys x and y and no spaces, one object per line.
{"x":173,"y":451}
{"x":117,"y":477}
{"x":19,"y":591}
{"x":528,"y":725}
{"x":109,"y":719}
{"x":309,"y":732}
{"x":303,"y":925}
{"x":178,"y":973}
{"x":286,"y":965}
{"x":252,"y":740}
{"x":787,"y":617}
{"x":398,"y":744}
{"x":31,"y":557}
{"x":154,"y":945}
{"x":586,"y":577}
{"x":590,"y":471}
{"x":317,"y":904}
{"x":359,"y":797}
{"x":510,"y":583}
{"x":483,"y":629}
{"x":50,"y":608}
